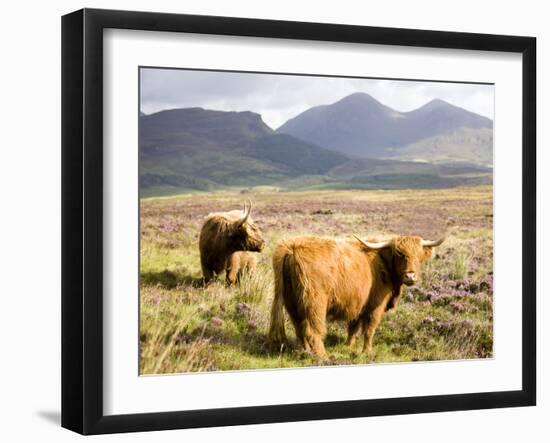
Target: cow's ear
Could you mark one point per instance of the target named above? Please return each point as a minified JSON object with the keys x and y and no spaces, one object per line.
{"x":427,"y":252}
{"x":239,"y":227}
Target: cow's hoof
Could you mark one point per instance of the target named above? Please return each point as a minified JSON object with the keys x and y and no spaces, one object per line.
{"x":314,"y":356}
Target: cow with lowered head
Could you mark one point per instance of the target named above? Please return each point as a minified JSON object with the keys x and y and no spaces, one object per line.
{"x":351,"y":280}
{"x":227,"y":242}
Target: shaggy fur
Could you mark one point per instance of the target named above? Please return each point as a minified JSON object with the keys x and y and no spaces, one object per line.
{"x":319,"y":278}
{"x":222,"y":242}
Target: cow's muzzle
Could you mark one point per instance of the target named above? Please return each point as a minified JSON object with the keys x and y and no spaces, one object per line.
{"x":409,"y":278}
{"x":259,"y":247}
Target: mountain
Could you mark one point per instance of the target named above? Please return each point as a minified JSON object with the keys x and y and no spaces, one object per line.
{"x":359,"y":125}
{"x":198,"y":149}
{"x":195,"y":129}
{"x":194,"y":149}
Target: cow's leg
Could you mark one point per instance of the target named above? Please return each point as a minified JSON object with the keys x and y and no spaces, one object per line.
{"x":315,"y":341}
{"x":207,"y":270}
{"x":315,"y":328}
{"x":354,"y":328}
{"x":243,"y":269}
{"x":208,"y":275}
{"x":370,"y":324}
{"x":299,"y":323}
{"x":248,"y":264}
{"x":300,"y":328}
{"x":251,"y":264}
{"x":232,"y":268}
{"x":231,"y":276}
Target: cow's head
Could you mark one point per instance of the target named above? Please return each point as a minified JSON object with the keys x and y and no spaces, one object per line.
{"x":405,"y":254}
{"x":245,"y":235}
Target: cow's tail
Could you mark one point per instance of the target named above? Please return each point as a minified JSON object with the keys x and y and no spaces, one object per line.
{"x":282,"y":284}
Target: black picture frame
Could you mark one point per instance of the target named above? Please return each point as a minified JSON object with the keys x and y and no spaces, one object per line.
{"x":82,"y":219}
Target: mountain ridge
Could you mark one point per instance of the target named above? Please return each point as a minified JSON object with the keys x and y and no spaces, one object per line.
{"x":359,"y":125}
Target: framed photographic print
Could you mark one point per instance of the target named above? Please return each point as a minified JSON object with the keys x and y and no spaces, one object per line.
{"x":269,"y":221}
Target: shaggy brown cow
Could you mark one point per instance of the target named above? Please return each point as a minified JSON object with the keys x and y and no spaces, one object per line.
{"x":351,"y":280}
{"x":224,"y":241}
{"x":238,"y":263}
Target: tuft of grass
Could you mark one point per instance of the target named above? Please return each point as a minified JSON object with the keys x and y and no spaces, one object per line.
{"x":253,"y":287}
{"x":460,"y":265}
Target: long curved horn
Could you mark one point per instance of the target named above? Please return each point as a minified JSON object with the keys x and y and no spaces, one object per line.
{"x":247,"y":209}
{"x":432,"y":243}
{"x":374,"y":245}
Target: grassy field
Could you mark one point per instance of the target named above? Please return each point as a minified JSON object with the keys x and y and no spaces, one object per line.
{"x":186,"y":327}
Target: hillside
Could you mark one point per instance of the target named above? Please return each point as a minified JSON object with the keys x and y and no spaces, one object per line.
{"x":460,"y":145}
{"x":198,"y":149}
{"x":359,"y":125}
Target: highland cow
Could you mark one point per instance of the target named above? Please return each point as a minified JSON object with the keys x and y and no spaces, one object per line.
{"x":351,"y":280}
{"x":224,"y":242}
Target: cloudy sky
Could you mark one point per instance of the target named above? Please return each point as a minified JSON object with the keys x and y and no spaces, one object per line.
{"x":280,"y":97}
